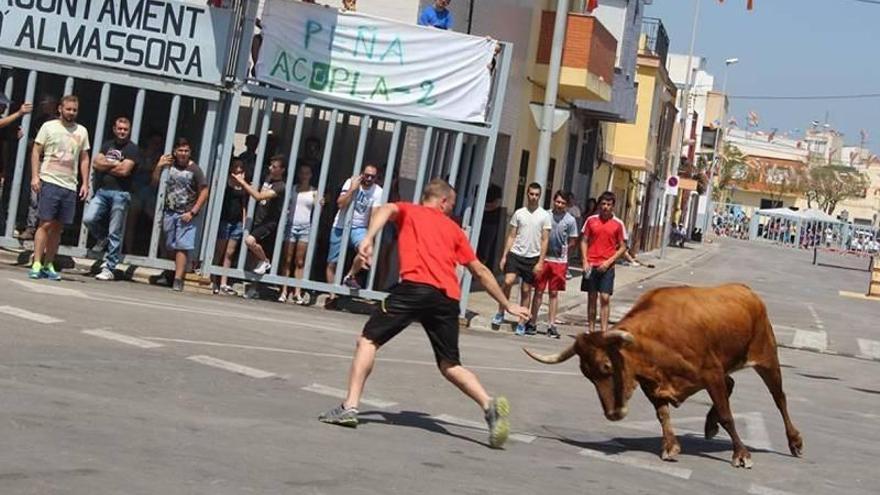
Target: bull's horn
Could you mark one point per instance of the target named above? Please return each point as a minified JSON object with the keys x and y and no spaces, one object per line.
{"x":552,"y":358}
{"x":619,"y":336}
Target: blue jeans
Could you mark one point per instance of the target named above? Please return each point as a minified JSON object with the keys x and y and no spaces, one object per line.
{"x":113,"y":204}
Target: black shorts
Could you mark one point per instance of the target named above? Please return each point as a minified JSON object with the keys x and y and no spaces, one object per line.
{"x":521,"y":266}
{"x":56,"y":203}
{"x":409,"y":302}
{"x":264,"y":231}
{"x":599,"y":281}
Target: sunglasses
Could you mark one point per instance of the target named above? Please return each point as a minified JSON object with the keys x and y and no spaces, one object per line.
{"x":369,"y":176}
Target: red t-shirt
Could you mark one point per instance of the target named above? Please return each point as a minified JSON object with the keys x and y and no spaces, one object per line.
{"x":431,"y":246}
{"x":603,"y":238}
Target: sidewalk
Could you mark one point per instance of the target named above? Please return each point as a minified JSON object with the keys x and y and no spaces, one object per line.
{"x":572,"y":302}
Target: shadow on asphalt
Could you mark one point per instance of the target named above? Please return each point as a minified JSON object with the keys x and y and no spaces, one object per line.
{"x":691,"y":445}
{"x":415,"y":419}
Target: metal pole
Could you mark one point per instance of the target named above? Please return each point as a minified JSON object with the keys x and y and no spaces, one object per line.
{"x":545,"y":136}
{"x":685,"y":103}
{"x":21,"y":160}
{"x":722,"y":133}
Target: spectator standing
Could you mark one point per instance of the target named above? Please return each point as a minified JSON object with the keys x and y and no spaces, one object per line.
{"x":524,"y":253}
{"x":231,"y":230}
{"x":431,"y":247}
{"x":437,"y":15}
{"x":106,"y":212}
{"x":563,"y":235}
{"x":7,"y":161}
{"x":270,"y":202}
{"x":486,"y":247}
{"x":603,"y":242}
{"x":49,"y":110}
{"x":60,"y":147}
{"x":186,"y":190}
{"x":364,"y":195}
{"x":249,"y":156}
{"x":301,"y":206}
{"x":142,"y":207}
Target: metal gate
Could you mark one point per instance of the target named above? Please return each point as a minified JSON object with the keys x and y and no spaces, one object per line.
{"x":410,"y":150}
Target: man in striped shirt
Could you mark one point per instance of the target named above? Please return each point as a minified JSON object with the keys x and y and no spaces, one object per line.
{"x":603,"y":242}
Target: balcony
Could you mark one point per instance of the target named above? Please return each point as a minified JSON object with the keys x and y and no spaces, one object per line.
{"x":588,"y":56}
{"x":654,"y":39}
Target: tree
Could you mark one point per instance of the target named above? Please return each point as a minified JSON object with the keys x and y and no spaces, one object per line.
{"x":832,"y":184}
{"x":731,"y":159}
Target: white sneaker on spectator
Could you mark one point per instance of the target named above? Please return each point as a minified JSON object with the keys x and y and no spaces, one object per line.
{"x":105,"y":275}
{"x":263,"y":267}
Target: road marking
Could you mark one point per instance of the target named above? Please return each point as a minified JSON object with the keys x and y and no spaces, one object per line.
{"x":869,"y":348}
{"x":28,"y":315}
{"x":516,"y":437}
{"x":807,"y":339}
{"x":763,"y":490}
{"x":233,"y":367}
{"x":50,"y":289}
{"x":125,"y":339}
{"x":751,"y":428}
{"x":816,"y":318}
{"x":638,"y":463}
{"x":341,"y":394}
{"x":432,"y":364}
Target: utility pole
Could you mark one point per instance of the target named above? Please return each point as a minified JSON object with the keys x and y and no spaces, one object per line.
{"x":685,"y":111}
{"x":545,"y":137}
{"x":722,"y":133}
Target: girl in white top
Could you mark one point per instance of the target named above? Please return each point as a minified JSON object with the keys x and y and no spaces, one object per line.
{"x":299,"y":225}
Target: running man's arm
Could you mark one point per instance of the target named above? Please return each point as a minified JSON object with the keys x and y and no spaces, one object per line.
{"x":621,"y":248}
{"x":379,"y":217}
{"x":101,"y":164}
{"x":487,"y":279}
{"x":545,"y":241}
{"x":585,"y":247}
{"x":13,"y":116}
{"x":123,"y":168}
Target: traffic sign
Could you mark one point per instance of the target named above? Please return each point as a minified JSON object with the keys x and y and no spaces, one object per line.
{"x":672,"y":185}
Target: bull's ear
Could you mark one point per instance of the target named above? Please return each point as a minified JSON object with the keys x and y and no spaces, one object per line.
{"x":619,"y":337}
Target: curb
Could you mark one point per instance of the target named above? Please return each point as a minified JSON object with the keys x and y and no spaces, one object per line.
{"x":481,"y":323}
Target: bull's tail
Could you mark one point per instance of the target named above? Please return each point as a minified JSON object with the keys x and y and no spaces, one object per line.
{"x":559,"y":357}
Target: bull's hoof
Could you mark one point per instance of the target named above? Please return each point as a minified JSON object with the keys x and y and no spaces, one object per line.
{"x":742,"y":460}
{"x":670,"y":452}
{"x":796,"y":446}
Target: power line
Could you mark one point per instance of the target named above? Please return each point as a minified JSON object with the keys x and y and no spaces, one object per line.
{"x":861,"y":96}
{"x":875,"y":2}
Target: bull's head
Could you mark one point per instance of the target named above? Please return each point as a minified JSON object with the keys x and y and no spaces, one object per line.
{"x":603,"y":364}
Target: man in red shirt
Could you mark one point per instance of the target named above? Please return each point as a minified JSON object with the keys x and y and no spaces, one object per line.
{"x":603,"y":242}
{"x":431,"y":246}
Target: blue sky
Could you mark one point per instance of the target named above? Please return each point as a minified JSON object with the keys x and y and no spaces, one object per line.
{"x":790,"y":48}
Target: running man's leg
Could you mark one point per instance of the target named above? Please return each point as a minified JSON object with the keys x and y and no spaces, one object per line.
{"x":553,"y":307}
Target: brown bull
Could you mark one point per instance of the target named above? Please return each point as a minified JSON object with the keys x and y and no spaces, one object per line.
{"x":675,"y":342}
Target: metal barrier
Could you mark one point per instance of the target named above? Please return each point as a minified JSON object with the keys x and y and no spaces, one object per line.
{"x":167,"y":108}
{"x":412,"y":150}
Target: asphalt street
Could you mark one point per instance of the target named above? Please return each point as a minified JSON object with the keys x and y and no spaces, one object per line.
{"x":129,"y":389}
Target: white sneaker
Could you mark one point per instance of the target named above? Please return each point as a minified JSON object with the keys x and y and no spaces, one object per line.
{"x":262,"y":268}
{"x":105,"y":275}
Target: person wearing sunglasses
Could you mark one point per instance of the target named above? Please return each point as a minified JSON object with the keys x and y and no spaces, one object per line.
{"x":363,"y":194}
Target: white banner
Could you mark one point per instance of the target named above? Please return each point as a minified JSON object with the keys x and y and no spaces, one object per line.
{"x":401,"y":68}
{"x":168,"y":38}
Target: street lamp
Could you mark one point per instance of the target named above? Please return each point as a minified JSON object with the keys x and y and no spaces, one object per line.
{"x":715,"y":161}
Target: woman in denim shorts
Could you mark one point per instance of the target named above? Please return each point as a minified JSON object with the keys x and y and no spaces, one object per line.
{"x":299,"y":226}
{"x":231,"y":225}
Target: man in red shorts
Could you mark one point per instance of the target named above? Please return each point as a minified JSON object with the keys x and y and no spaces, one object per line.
{"x":563,"y":232}
{"x":604,"y":241}
{"x":431,"y":246}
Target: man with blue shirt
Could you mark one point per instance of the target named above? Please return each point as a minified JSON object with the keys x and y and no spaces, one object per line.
{"x":437,"y":15}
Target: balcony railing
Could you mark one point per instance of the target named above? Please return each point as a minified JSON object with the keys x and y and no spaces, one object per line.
{"x":656,"y":39}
